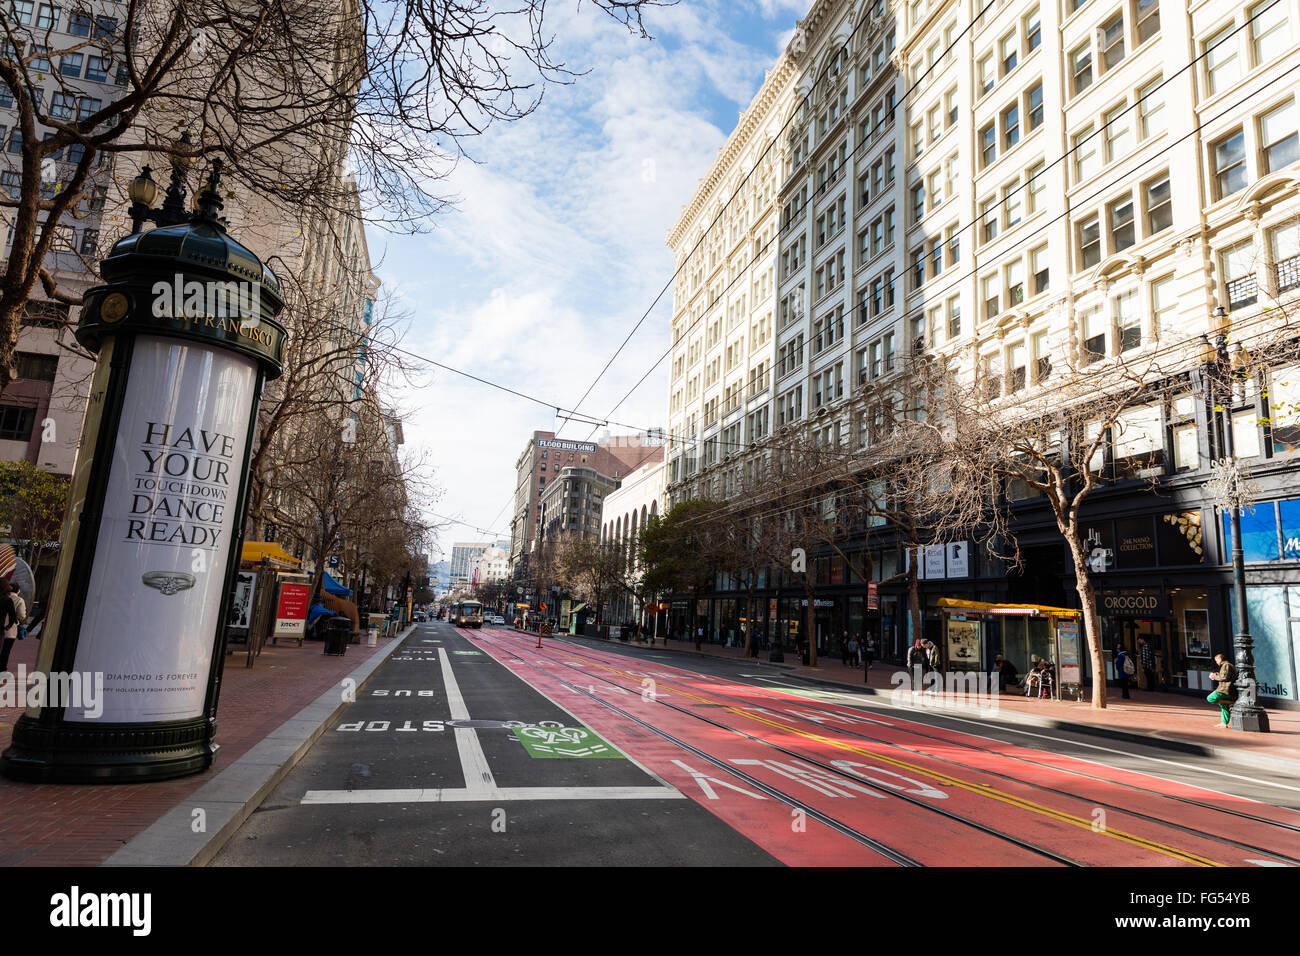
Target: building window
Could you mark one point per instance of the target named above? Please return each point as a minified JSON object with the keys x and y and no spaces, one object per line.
{"x":36,"y":367}
{"x":1122,"y":233}
{"x":1086,"y":162}
{"x":988,"y":145}
{"x":1016,"y":367}
{"x":97,"y":69}
{"x":1042,"y":358}
{"x":1013,"y":201}
{"x":1286,"y":256}
{"x":79,"y":26}
{"x":1038,"y":264}
{"x":1160,"y":211}
{"x":1112,"y":42}
{"x":1033,"y":31}
{"x":1081,"y":68}
{"x":1094,"y":335}
{"x":1270,"y":31}
{"x":1037,"y":183}
{"x":989,"y":216}
{"x":1164,"y":306}
{"x":1278,"y":134}
{"x":1089,"y":242}
{"x":1230,"y":164}
{"x":89,"y":242}
{"x":1222,"y":61}
{"x":1010,"y":51}
{"x":1151,"y":108}
{"x":1239,"y":275}
{"x":16,"y":422}
{"x":70,"y":64}
{"x":63,"y":105}
{"x":1011,"y":127}
{"x":1015,"y":283}
{"x":20,"y":11}
{"x":1034,"y":106}
{"x":1119,"y":133}
{"x":1148,"y":20}
{"x":1128,"y":320}
{"x":954,"y":317}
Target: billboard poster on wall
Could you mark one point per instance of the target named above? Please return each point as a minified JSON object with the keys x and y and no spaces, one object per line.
{"x":157,"y":587}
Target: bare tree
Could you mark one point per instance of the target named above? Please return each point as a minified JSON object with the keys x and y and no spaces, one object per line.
{"x":286,"y":91}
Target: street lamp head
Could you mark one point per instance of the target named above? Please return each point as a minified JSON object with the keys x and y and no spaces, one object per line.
{"x":143,"y":189}
{"x":183,"y":163}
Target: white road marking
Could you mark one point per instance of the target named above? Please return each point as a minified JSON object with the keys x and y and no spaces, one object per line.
{"x":481,"y":795}
{"x":1113,"y":750}
{"x":473,"y":762}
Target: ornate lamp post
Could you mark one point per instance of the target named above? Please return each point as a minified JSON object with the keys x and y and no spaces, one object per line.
{"x":185,"y":335}
{"x":1247,"y":714}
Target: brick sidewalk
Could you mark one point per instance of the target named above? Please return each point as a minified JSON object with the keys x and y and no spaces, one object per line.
{"x":67,"y":825}
{"x":1185,"y":718}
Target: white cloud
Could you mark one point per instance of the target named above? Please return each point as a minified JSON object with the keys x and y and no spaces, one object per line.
{"x":557,"y":246}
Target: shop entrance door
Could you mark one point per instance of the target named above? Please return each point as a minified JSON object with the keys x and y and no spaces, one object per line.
{"x":1157,"y":635}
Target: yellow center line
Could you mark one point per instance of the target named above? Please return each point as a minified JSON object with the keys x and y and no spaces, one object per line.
{"x":976,"y":788}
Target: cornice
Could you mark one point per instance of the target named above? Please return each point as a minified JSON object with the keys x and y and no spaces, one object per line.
{"x":778,"y":81}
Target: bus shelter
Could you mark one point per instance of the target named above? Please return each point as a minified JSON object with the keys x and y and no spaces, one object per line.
{"x":976,"y":632}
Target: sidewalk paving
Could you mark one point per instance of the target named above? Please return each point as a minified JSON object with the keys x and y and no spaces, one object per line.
{"x":1173,"y":721}
{"x":83,"y":825}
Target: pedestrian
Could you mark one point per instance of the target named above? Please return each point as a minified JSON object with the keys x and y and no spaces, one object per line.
{"x":1124,"y":671}
{"x":1147,"y":656}
{"x":13,"y":612}
{"x":1225,"y":691}
{"x":1007,"y":675}
{"x":868,"y":654}
{"x":855,"y":652}
{"x":918,"y":665}
{"x":846,"y":652}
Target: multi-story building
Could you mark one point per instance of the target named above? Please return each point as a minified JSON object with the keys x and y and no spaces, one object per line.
{"x":464,"y":560}
{"x":1040,"y":188}
{"x":571,"y":504}
{"x":543,"y":458}
{"x":40,"y":413}
{"x":624,"y":512}
{"x":726,"y":307}
{"x":493,"y":565}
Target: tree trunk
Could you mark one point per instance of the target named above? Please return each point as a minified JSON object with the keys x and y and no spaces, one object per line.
{"x":1091,"y":622}
{"x":914,"y":598}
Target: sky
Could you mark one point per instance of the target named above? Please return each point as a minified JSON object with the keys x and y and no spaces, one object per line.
{"x":555,"y":247}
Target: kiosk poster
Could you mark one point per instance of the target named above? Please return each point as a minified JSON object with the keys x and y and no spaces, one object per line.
{"x":241,"y":608}
{"x":1067,"y":648}
{"x":291,"y":610}
{"x":158,"y":584}
{"x":963,"y":645}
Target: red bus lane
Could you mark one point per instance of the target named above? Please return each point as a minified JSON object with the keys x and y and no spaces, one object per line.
{"x":1088,"y":824}
{"x":868,"y":797}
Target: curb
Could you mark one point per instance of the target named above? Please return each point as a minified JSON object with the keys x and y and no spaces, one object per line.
{"x":1270,"y":762}
{"x":230,"y":797}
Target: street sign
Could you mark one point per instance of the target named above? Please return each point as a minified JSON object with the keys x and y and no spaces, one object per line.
{"x":873,"y":597}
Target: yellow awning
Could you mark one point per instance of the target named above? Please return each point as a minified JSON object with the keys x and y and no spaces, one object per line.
{"x":254,"y":551}
{"x":961,"y":604}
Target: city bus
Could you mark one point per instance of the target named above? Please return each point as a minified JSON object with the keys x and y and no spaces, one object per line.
{"x":466,"y":614}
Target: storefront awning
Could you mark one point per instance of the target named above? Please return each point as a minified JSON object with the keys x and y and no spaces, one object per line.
{"x":254,"y":551}
{"x":983,"y":607}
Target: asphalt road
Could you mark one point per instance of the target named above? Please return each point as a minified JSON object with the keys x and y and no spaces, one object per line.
{"x":473,"y":747}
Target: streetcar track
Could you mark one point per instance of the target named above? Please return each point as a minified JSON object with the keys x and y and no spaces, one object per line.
{"x":859,"y":734}
{"x":1187,"y":801}
{"x":787,"y":798}
{"x":1204,"y":834}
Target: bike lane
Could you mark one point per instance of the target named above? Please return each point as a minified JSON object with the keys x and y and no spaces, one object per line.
{"x":876,"y":806}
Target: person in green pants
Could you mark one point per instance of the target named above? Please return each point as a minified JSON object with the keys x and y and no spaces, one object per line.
{"x":1224,"y":691}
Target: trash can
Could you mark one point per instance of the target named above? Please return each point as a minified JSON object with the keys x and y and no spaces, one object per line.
{"x":777,"y":655}
{"x":338,"y":631}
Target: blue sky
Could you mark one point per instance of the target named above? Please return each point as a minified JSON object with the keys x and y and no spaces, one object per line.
{"x":556,"y":245}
